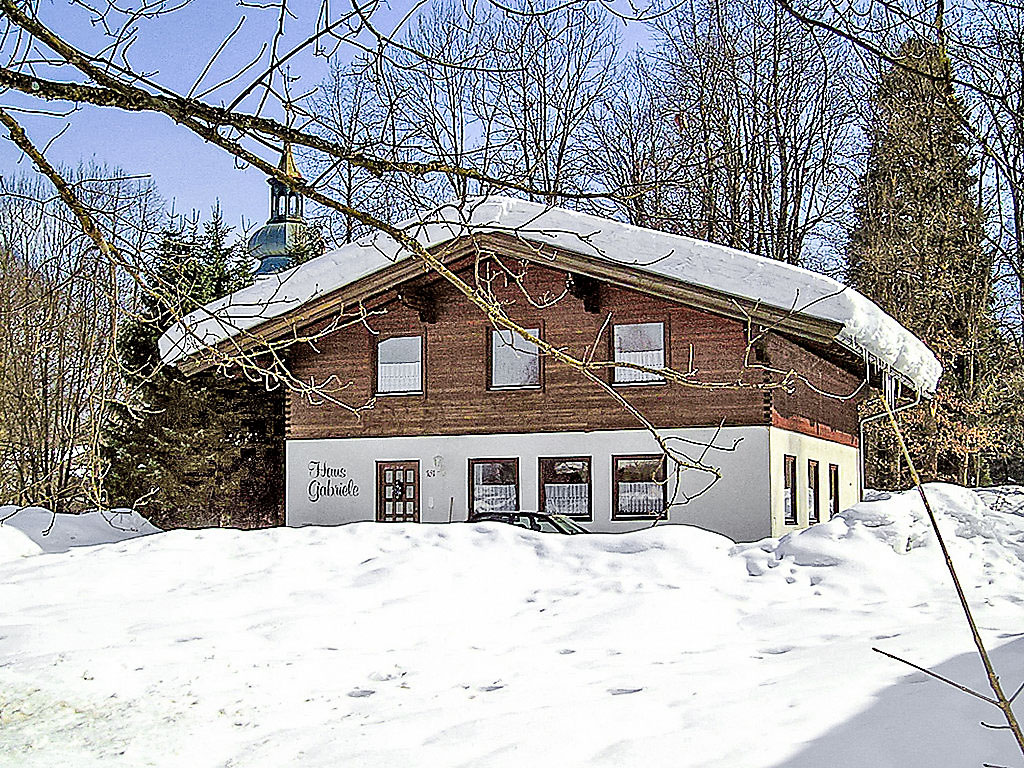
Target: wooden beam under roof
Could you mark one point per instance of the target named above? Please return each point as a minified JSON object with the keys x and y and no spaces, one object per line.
{"x":290,"y":325}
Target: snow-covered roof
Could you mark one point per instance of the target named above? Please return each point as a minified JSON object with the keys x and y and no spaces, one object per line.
{"x":866,"y":329}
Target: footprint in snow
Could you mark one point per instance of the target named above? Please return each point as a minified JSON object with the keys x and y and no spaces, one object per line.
{"x":360,"y":693}
{"x":566,"y":651}
{"x":380,"y":676}
{"x":623,"y":691}
{"x":779,"y":649}
{"x":489,"y":688}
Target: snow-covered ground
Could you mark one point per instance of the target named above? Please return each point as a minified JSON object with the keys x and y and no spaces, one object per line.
{"x":486,"y":645}
{"x":30,"y":530}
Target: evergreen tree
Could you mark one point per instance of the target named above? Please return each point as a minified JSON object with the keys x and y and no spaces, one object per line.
{"x":198,"y":451}
{"x":917,"y":250}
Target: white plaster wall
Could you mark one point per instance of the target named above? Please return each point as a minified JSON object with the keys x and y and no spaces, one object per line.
{"x":805,"y":447}
{"x":737,"y":505}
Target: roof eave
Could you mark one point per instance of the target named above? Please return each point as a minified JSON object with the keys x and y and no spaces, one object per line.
{"x":287,"y":327}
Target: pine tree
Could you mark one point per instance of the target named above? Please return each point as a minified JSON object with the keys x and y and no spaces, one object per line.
{"x":917,"y":250}
{"x":198,"y":451}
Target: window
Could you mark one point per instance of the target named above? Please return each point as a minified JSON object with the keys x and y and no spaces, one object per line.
{"x":400,"y":365}
{"x":833,"y":490}
{"x":565,"y":486}
{"x":813,"y":498}
{"x":641,"y":344}
{"x":493,"y":485}
{"x":789,"y":484}
{"x":638,"y":486}
{"x":515,"y":361}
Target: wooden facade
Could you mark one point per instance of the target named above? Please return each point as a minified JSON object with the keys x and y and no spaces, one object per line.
{"x":711,"y":346}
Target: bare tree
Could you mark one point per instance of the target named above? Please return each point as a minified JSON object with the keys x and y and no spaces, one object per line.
{"x":557,"y":67}
{"x":348,"y":110}
{"x":507,"y":93}
{"x":60,"y":306}
{"x":633,"y":148}
{"x":764,"y":106}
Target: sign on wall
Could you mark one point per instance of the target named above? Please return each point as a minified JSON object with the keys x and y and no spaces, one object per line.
{"x":329,"y":481}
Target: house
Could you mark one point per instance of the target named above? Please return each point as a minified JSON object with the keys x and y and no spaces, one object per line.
{"x":417,"y":407}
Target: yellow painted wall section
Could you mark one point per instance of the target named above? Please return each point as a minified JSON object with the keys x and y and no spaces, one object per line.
{"x":782,"y":442}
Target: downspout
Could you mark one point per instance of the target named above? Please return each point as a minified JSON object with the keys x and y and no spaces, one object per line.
{"x":864,"y":422}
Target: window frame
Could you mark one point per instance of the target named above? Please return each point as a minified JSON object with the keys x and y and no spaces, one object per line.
{"x":789,"y":483}
{"x":833,"y":490}
{"x":541,"y":499}
{"x":665,"y":345}
{"x":491,"y":387}
{"x":813,"y":491}
{"x":663,"y":481}
{"x":471,"y":463}
{"x":375,"y":344}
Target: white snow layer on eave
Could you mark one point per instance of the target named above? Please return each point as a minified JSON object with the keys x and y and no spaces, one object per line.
{"x":867,"y":330}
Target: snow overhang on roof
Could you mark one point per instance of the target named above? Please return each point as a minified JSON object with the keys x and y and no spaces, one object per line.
{"x":866,"y":330}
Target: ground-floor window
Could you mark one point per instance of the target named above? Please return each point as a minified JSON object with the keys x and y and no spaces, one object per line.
{"x":833,"y":490}
{"x":565,"y":486}
{"x":493,"y":485}
{"x":789,"y":485}
{"x":638,"y":486}
{"x":813,"y":498}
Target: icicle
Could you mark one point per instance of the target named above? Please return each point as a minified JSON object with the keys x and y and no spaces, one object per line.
{"x":889,"y":388}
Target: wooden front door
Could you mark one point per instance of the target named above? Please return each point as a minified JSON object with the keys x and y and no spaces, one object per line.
{"x":398,"y":491}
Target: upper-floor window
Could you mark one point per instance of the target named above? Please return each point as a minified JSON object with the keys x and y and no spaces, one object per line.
{"x":400,"y":365}
{"x":638,"y":486}
{"x":515,"y":362}
{"x":565,"y":486}
{"x":640,"y":344}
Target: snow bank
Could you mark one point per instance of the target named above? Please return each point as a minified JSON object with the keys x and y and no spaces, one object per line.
{"x":14,"y":543}
{"x":866,"y":328}
{"x":58,"y":533}
{"x":488,"y":645}
{"x":869,"y":547}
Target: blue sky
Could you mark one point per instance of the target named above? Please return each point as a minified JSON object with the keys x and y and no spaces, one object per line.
{"x":189,"y":173}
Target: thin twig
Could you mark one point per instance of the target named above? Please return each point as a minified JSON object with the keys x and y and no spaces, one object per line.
{"x":937,"y":676}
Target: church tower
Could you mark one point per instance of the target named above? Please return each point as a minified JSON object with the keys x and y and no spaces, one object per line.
{"x":285,"y":232}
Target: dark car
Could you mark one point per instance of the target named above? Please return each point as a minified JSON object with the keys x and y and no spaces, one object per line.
{"x":534,"y":521}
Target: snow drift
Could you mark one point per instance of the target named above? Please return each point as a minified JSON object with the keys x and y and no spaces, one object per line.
{"x":47,"y":532}
{"x":487,"y":645}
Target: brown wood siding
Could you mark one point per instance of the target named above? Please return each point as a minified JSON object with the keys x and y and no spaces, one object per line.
{"x":806,"y":410}
{"x":455,"y":358}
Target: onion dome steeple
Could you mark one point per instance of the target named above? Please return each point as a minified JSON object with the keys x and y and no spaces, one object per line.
{"x":275,"y":242}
